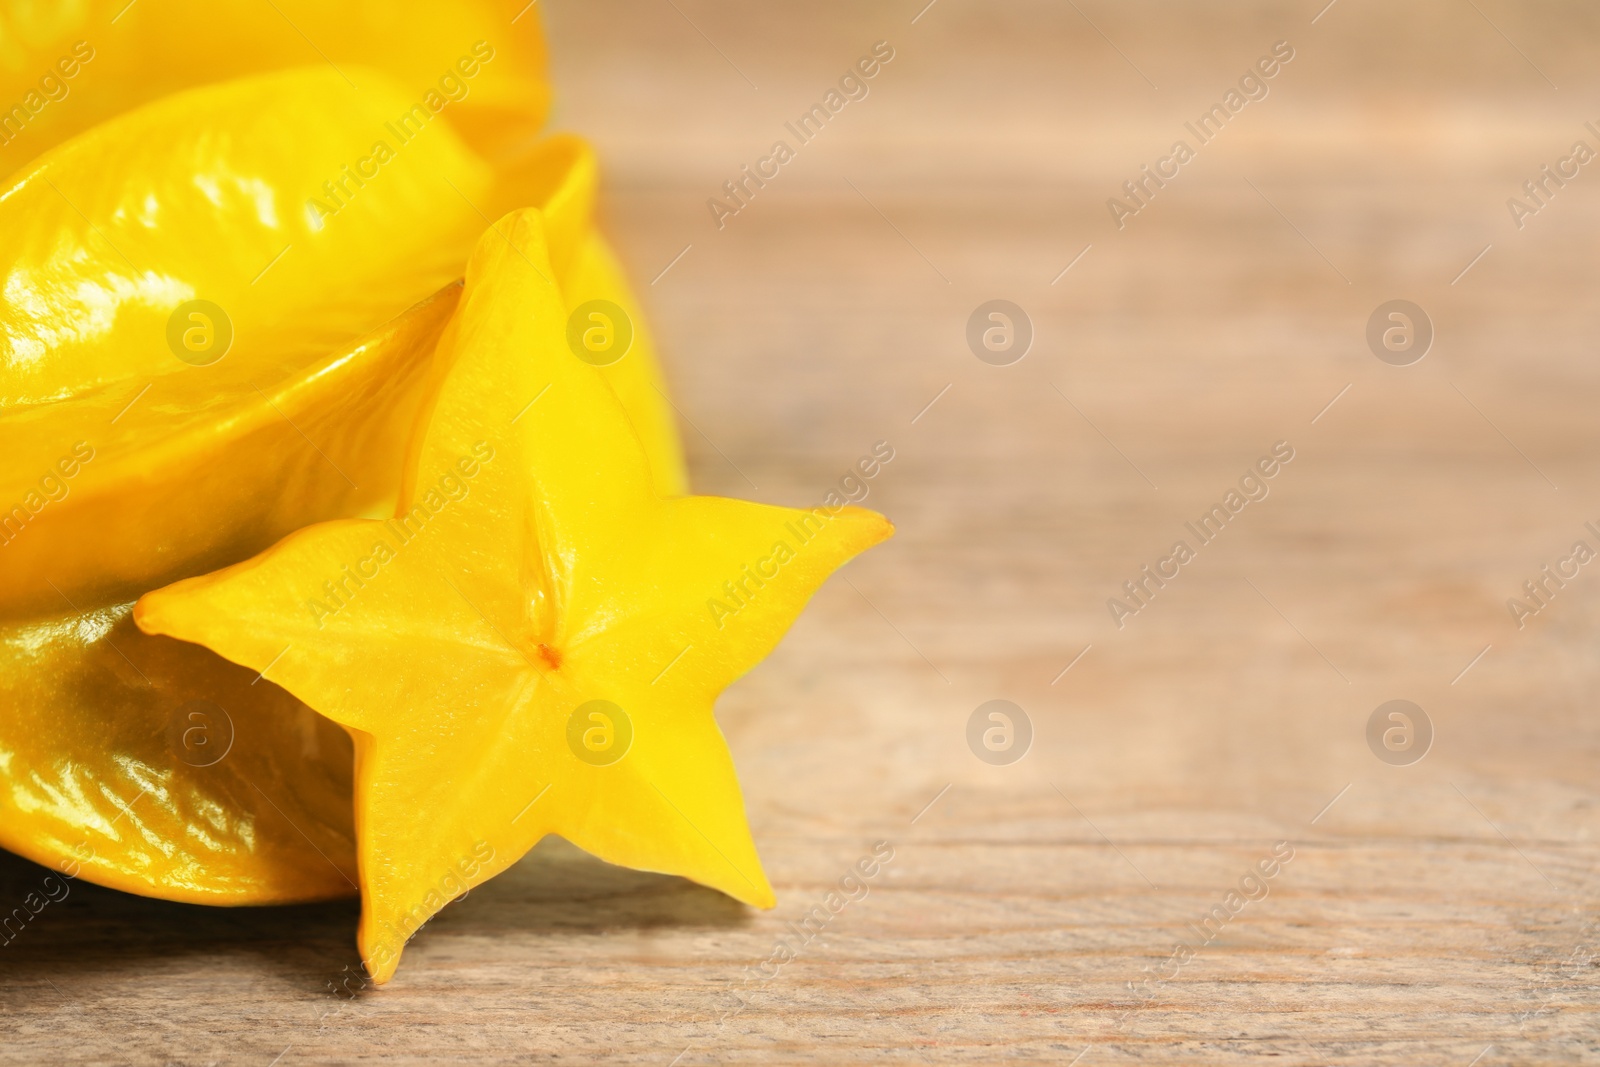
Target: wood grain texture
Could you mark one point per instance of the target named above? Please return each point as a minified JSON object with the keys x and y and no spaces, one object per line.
{"x":1440,"y":913}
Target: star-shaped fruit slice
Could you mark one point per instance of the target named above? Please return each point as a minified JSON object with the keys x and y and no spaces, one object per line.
{"x":534,"y":643}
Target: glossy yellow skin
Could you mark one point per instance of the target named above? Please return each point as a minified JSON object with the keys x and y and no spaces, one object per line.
{"x":306,"y":418}
{"x":532,"y":567}
{"x":208,"y":188}
{"x":101,"y":757}
{"x":153,"y":50}
{"x":319,"y":390}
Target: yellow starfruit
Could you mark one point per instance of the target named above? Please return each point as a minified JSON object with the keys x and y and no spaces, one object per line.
{"x":534,"y":642}
{"x":205,"y":322}
{"x":127,"y":465}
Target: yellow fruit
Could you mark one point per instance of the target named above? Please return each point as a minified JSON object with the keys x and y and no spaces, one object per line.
{"x":125,"y":465}
{"x":212,"y":449}
{"x":533,"y":644}
{"x":155,"y":767}
{"x":67,"y":65}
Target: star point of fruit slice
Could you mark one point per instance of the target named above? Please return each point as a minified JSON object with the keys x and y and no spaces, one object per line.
{"x":533,"y":644}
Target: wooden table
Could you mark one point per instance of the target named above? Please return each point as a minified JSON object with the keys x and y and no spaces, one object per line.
{"x":1442,"y":912}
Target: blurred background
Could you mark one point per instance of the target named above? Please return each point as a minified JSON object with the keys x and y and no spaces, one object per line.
{"x":1440,"y":903}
